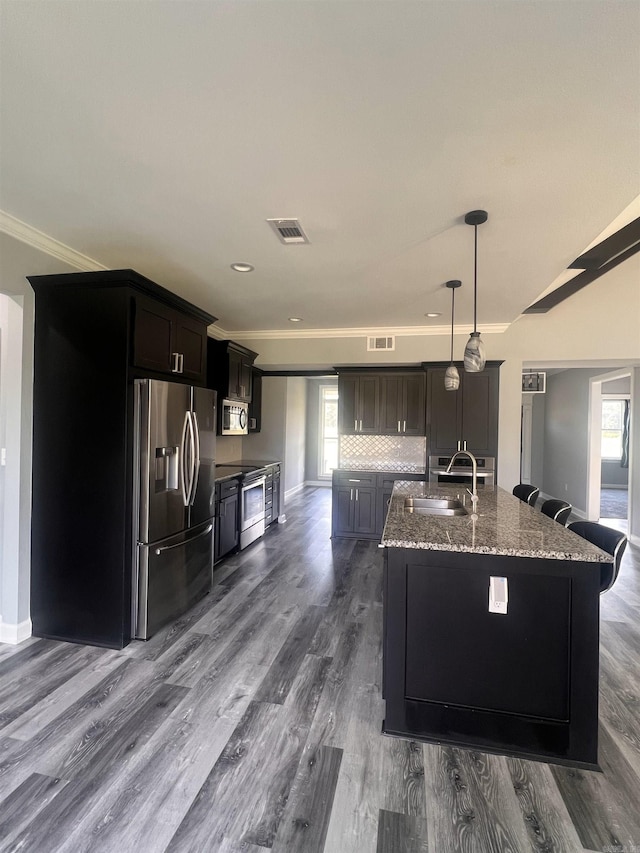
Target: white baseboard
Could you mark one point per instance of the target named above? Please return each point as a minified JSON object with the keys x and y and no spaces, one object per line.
{"x":293,"y":490}
{"x":634,"y":539}
{"x":621,"y":486}
{"x":323,"y":484}
{"x":581,"y":513}
{"x":13,"y":634}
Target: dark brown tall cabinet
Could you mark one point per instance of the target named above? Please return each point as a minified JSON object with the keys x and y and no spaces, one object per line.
{"x":94,"y":334}
{"x":255,"y":406}
{"x":469,"y":414}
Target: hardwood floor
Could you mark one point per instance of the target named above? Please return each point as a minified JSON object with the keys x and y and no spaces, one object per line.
{"x":254,"y":722}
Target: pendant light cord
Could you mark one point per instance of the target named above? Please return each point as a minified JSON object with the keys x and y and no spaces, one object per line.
{"x":475,"y":277}
{"x":453,"y":302}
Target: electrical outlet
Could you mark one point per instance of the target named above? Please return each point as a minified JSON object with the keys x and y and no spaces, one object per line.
{"x":566,"y":487}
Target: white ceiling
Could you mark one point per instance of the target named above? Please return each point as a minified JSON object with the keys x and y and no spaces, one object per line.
{"x":161,"y":135}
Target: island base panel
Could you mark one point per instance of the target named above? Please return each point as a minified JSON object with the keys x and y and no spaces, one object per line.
{"x":438,"y":635}
{"x":481,"y":746}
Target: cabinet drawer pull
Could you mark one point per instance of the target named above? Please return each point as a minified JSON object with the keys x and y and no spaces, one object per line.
{"x":404,"y":428}
{"x":355,"y":481}
{"x":398,"y":426}
{"x":176,"y":362}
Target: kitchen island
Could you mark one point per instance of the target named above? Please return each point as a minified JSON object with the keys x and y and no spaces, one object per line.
{"x":515,"y":672}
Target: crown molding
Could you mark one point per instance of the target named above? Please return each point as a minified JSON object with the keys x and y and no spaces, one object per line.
{"x":39,"y":240}
{"x":20,"y":230}
{"x":399,"y":331}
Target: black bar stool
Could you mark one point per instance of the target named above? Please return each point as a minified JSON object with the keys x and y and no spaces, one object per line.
{"x":612,"y":541}
{"x":527,"y":493}
{"x":557,"y":510}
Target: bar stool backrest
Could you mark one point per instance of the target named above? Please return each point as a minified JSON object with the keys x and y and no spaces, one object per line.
{"x":527,"y":493}
{"x":612,"y":541}
{"x":557,"y":510}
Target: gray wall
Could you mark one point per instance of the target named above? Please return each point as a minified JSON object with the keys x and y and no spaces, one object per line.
{"x":270,"y":442}
{"x":537,"y":438}
{"x":612,"y":474}
{"x":566,"y":448}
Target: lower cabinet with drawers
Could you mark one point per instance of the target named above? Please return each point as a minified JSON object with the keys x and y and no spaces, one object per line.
{"x":272,"y":495}
{"x":227,"y":515}
{"x":360,"y":500}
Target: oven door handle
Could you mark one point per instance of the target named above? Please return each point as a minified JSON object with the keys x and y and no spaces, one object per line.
{"x":261,"y":481}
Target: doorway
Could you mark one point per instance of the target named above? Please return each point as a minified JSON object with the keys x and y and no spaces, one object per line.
{"x":609,"y":449}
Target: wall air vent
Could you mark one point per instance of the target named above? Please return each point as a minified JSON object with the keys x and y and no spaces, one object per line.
{"x":288,"y":230}
{"x":380,"y":344}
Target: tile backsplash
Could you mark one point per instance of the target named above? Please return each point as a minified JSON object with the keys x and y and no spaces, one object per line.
{"x":383,"y":453}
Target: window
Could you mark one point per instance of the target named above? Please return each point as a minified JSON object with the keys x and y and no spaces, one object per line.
{"x":612,"y":428}
{"x":328,"y":431}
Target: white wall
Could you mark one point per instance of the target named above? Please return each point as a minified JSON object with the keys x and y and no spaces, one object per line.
{"x":282,"y":435}
{"x":17,"y":260}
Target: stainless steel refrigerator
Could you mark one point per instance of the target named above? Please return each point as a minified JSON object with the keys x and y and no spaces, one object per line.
{"x":174,"y":499}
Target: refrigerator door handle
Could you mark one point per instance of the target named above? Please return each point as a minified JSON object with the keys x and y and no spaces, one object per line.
{"x":184,"y":486}
{"x":192,"y":460}
{"x":195,"y":456}
{"x":204,"y":532}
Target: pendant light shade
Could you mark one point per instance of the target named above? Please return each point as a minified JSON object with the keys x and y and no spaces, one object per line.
{"x":451,"y":376}
{"x":474,"y":356}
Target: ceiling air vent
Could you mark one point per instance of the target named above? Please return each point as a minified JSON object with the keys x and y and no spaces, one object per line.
{"x":288,"y":230}
{"x":380,"y":344}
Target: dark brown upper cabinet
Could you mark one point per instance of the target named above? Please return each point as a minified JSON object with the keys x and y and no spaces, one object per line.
{"x":403,"y":403}
{"x":359,"y":403}
{"x":229,"y":369}
{"x":168,"y":341}
{"x":466,"y":419}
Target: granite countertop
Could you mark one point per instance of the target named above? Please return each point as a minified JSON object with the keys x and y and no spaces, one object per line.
{"x":505,"y":526}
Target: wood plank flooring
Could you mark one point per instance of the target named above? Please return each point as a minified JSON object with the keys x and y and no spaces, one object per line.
{"x":253,"y":723}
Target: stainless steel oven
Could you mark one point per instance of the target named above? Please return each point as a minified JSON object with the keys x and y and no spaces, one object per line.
{"x":461,"y":472}
{"x":252,"y":508}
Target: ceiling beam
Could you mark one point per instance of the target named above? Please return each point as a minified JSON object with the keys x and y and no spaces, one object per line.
{"x":609,"y":249}
{"x":575,"y":284}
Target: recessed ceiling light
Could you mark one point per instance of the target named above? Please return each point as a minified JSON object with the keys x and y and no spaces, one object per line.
{"x":433,"y":314}
{"x":242,"y":267}
{"x":295,"y":319}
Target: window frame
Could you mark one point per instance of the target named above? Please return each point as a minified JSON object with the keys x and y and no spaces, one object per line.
{"x":610,"y":398}
{"x":321,"y":428}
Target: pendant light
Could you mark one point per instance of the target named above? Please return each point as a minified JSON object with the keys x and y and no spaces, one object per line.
{"x":451,"y":376}
{"x":474,"y":357}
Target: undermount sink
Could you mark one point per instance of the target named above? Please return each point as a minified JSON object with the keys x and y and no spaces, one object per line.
{"x":434,"y":506}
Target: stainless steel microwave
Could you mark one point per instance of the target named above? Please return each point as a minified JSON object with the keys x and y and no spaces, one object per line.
{"x":234,"y":418}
